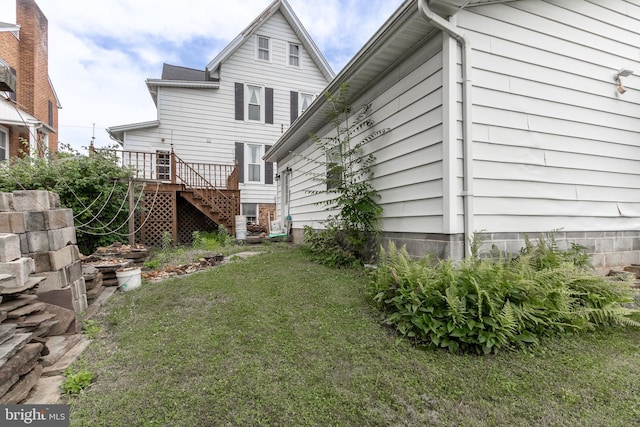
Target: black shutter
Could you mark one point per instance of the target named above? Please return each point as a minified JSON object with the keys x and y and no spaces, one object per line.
{"x":240,"y":161}
{"x":293,"y":104}
{"x":239,"y":101}
{"x":268,"y":108}
{"x":268,"y":168}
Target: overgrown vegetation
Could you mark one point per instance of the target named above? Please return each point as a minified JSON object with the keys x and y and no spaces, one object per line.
{"x":485,"y":305}
{"x":95,"y":187}
{"x":278,"y":340}
{"x":346,"y":182}
{"x":201,"y":243}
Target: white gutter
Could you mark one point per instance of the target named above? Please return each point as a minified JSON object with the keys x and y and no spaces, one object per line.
{"x":467,"y":131}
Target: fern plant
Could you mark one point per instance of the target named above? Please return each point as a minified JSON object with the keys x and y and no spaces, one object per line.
{"x":484,"y":305}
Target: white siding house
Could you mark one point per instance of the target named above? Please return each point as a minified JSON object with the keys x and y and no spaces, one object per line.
{"x":507,"y":119}
{"x":238,"y":106}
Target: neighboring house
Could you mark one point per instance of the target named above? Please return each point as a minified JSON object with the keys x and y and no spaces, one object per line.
{"x":28,"y":103}
{"x":508,"y":118}
{"x":236,"y":108}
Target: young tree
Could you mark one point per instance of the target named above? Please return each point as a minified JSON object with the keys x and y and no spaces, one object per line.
{"x":355,"y":228}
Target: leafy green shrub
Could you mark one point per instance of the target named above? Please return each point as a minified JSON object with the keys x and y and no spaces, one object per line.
{"x":94,"y":187}
{"x":76,"y":382}
{"x":484,"y":305}
{"x":326,"y":247}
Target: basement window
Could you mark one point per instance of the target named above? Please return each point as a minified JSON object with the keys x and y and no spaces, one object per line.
{"x":250,"y":210}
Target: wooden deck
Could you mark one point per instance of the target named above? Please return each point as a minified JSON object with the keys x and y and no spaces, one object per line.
{"x":209,"y":189}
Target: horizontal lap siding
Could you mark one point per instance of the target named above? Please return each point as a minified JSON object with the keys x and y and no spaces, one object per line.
{"x":408,"y":169}
{"x":554,"y":146}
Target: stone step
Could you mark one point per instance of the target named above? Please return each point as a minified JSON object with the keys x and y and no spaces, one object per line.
{"x":26,"y":310}
{"x":58,"y":346}
{"x":7,"y":331}
{"x":21,"y":363}
{"x":32,"y":320}
{"x":31,"y":283}
{"x":12,"y":346}
{"x":21,"y":389}
{"x":67,"y":359}
{"x":20,"y":301}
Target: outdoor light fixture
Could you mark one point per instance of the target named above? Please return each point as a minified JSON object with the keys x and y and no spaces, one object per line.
{"x":623,"y":72}
{"x":288,"y":170}
{"x":277,"y":177}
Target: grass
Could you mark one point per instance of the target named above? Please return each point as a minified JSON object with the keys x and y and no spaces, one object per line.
{"x":278,"y":340}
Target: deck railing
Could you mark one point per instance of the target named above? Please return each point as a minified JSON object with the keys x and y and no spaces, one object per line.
{"x":168,"y":167}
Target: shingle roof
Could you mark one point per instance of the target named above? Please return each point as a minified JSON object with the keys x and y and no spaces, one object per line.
{"x":174,"y":72}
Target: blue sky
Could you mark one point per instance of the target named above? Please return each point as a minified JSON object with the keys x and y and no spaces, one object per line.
{"x":101,"y":52}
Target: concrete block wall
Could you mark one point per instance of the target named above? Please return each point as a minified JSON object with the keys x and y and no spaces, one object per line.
{"x":37,"y":237}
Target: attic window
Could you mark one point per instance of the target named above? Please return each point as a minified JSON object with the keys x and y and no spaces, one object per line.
{"x":294,"y":55}
{"x":263,"y":48}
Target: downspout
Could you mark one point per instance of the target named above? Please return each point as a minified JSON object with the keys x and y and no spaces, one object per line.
{"x":467,"y":131}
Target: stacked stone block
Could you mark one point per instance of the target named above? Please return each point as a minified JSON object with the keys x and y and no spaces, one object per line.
{"x":41,"y":286}
{"x":46,"y":240}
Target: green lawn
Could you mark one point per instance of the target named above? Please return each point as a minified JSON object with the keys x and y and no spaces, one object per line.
{"x":278,"y":340}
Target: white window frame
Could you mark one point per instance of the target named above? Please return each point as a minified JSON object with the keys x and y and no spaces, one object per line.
{"x":4,"y":143}
{"x":301,"y":96}
{"x":259,"y":49}
{"x":291,"y":56}
{"x":248,"y":164}
{"x":261,"y":104}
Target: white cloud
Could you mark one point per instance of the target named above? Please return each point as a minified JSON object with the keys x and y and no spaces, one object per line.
{"x":101,"y":52}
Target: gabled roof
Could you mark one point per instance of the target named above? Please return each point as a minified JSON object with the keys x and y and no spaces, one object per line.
{"x":397,"y":37}
{"x":296,"y":25}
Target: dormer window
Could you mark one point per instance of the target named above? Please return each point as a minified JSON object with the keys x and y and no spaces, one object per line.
{"x":294,"y":55}
{"x":264,"y":48}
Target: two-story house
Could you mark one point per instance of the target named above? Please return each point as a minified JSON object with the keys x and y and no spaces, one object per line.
{"x":28,"y":102}
{"x":231,"y":112}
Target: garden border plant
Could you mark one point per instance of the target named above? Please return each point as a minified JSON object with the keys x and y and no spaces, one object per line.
{"x":485,"y":305}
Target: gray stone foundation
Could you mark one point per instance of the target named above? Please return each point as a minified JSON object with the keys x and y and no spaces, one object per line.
{"x":608,"y":249}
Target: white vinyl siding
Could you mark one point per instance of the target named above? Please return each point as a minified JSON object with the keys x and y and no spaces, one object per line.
{"x":409,"y":160}
{"x":555,"y":146}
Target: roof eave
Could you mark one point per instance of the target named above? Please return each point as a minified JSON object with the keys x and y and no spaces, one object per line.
{"x":117,"y":132}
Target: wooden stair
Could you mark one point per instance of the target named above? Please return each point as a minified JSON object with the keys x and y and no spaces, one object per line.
{"x":219,"y":205}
